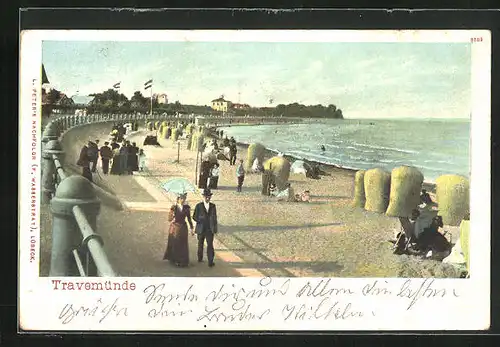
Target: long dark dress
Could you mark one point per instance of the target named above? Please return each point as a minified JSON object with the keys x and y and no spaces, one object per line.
{"x":115,"y":166}
{"x":177,"y":251}
{"x":124,"y":150}
{"x":135,"y":159}
{"x":132,"y":162}
{"x":204,"y":174}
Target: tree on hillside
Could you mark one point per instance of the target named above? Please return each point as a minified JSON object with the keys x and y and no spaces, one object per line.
{"x":177,"y":107}
{"x":138,"y":101}
{"x":53,"y":96}
{"x":108,"y":101}
{"x":109,"y":97}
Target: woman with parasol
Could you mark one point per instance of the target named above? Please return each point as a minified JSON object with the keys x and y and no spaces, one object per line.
{"x":177,"y":251}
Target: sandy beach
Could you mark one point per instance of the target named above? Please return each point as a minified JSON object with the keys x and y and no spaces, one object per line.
{"x":324,"y":238}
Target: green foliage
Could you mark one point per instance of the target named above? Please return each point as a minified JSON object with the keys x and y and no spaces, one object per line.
{"x":53,"y":96}
{"x":138,"y":102}
{"x":313,"y":111}
{"x":109,"y":101}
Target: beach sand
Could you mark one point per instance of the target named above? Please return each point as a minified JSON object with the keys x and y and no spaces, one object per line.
{"x":324,"y":238}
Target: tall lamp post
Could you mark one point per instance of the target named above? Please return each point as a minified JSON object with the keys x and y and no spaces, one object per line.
{"x":178,"y":151}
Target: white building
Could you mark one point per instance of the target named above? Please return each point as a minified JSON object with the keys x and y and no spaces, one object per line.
{"x":162,"y":98}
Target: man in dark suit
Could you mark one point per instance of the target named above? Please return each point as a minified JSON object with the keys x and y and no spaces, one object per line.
{"x":93,"y":154}
{"x":106,"y":155}
{"x":205,"y":216}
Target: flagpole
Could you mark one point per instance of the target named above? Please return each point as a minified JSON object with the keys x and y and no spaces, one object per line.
{"x":151,"y":107}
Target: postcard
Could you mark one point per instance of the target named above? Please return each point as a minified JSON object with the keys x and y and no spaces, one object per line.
{"x":254,"y":180}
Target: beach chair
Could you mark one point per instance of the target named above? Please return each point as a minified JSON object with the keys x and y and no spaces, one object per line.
{"x":406,"y":236}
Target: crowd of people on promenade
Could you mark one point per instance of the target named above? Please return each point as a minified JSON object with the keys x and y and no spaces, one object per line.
{"x":227,"y":150}
{"x":117,"y":155}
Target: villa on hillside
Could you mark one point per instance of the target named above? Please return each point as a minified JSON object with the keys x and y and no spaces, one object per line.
{"x":221,"y":104}
{"x":161,"y":98}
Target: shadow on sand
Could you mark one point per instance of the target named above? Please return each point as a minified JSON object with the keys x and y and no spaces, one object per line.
{"x":244,"y":189}
{"x":281,"y":266}
{"x":250,"y":228}
{"x":313,"y":266}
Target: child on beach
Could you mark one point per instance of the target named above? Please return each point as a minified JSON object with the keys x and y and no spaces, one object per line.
{"x":214,"y":176}
{"x":240,"y":175}
{"x":142,"y":160}
{"x":273,"y":191}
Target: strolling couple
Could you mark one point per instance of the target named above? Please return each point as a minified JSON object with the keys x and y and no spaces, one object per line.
{"x":205,"y":216}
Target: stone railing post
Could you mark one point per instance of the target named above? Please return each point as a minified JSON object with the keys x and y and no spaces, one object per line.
{"x":65,"y":123}
{"x":49,"y":133}
{"x":49,"y":170}
{"x":57,"y":124}
{"x":66,"y":234}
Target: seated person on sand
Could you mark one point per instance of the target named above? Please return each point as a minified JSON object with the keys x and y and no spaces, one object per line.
{"x":313,"y":172}
{"x":407,"y":236}
{"x":431,"y":243}
{"x":304,"y":197}
{"x":425,"y":200}
{"x":287,"y":194}
{"x":273,"y":191}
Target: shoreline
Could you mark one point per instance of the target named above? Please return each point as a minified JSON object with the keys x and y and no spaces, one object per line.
{"x":430,"y":186}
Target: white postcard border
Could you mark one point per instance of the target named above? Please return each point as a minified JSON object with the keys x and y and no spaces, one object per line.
{"x":466,"y":305}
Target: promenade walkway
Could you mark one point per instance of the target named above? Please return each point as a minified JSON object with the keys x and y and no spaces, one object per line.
{"x":258,"y":236}
{"x":246,"y":245}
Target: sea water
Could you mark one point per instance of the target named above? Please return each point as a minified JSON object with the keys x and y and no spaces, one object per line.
{"x":435,"y":146}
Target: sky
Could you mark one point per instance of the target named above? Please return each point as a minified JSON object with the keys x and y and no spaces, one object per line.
{"x":365,"y":80}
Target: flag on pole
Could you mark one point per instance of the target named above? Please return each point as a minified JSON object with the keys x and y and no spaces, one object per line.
{"x":116,"y":85}
{"x":148,"y":84}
